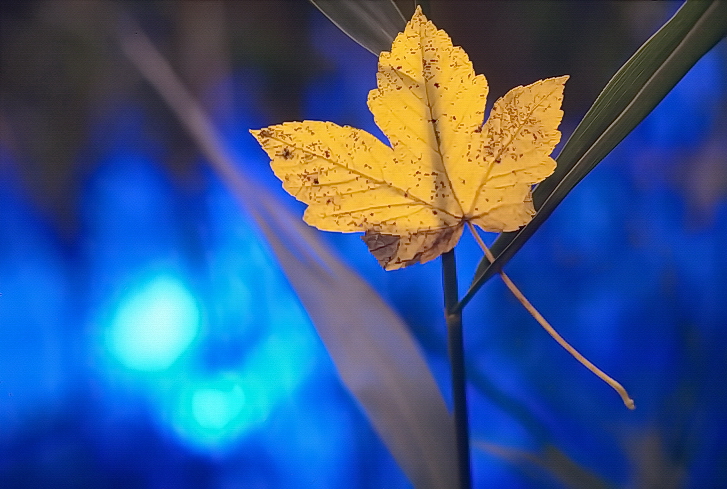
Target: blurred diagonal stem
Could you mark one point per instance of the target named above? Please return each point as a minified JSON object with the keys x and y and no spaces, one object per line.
{"x":156,"y":70}
{"x":413,"y":419}
{"x":455,"y":343}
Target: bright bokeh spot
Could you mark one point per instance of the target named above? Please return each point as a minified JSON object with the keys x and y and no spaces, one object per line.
{"x":154,"y":324}
{"x":215,"y":412}
{"x":214,"y":409}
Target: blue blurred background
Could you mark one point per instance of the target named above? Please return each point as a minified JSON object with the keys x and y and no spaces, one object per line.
{"x":149,"y":340}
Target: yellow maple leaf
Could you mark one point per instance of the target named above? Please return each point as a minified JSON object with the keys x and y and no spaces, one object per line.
{"x":444,"y":168}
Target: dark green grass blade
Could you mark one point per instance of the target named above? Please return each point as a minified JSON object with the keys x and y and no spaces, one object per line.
{"x":372,"y":23}
{"x":626,"y":100}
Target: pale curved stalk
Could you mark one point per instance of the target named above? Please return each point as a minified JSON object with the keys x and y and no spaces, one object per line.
{"x":551,"y":331}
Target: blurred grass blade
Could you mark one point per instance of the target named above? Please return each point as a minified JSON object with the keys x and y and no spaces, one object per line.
{"x":549,"y":460}
{"x":626,"y":100}
{"x":374,"y":352}
{"x":376,"y":357}
{"x":372,"y":23}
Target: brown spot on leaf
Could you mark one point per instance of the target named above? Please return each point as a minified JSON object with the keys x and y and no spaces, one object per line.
{"x":382,"y":246}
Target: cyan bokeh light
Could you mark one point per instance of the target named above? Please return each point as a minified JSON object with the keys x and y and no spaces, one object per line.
{"x":196,"y":324}
{"x":215,"y":408}
{"x":154,"y":323}
{"x":213,"y":412}
{"x":258,"y":348}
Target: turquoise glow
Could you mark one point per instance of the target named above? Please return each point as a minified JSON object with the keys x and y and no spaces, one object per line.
{"x":154,"y":324}
{"x":214,"y":409}
{"x":214,"y":412}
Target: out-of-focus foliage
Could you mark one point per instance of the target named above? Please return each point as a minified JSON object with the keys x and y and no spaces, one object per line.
{"x":373,"y":24}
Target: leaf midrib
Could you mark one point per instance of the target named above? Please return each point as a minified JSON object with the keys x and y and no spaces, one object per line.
{"x":436,"y":123}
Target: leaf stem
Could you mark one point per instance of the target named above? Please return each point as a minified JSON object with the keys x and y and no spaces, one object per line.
{"x":551,"y":331}
{"x":455,"y":344}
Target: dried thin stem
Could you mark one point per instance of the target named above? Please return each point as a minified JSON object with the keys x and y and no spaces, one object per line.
{"x":552,"y":332}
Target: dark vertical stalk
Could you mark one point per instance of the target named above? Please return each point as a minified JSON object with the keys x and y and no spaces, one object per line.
{"x":456,"y":359}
